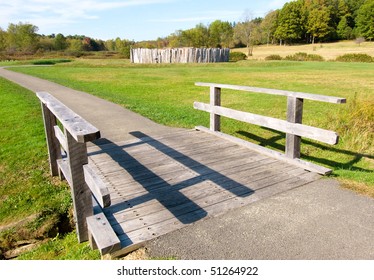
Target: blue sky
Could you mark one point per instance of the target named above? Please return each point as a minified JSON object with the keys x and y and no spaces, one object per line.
{"x":128,"y":19}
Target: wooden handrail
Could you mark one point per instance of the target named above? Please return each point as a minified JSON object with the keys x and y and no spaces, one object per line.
{"x":302,"y":95}
{"x":322,"y":135}
{"x":81,"y":130}
{"x":68,"y":158}
{"x":293,"y":126}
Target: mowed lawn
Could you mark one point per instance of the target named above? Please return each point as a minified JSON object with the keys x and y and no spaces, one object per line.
{"x":165,"y":94}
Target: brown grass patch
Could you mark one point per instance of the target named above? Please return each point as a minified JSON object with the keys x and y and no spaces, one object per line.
{"x":357,"y":187}
{"x":329,"y":51}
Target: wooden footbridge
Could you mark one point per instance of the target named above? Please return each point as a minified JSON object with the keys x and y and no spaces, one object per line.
{"x":127,"y":193}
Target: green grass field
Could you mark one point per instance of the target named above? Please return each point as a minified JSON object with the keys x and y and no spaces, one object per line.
{"x":165,"y":94}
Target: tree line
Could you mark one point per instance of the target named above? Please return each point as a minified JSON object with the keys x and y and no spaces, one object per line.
{"x":23,"y":38}
{"x":299,"y":21}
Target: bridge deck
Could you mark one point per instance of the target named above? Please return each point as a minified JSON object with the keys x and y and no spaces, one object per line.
{"x":161,"y":184}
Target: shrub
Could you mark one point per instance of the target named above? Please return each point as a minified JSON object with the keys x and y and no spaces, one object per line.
{"x":355,"y":57}
{"x":301,"y":56}
{"x":273,"y":57}
{"x":315,"y":57}
{"x":237,"y":56}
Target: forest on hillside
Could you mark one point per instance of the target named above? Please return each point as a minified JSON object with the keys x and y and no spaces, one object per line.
{"x":299,"y":21}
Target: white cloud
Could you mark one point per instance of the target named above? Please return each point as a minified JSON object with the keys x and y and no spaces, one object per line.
{"x":44,"y":13}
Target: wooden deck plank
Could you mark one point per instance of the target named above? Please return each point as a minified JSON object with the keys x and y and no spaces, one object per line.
{"x":215,"y":164}
{"x":181,"y":137}
{"x":214,"y":175}
{"x":192,"y":189}
{"x":160,"y":184}
{"x":148,"y":152}
{"x":151,"y":232}
{"x":111,"y":163}
{"x":208,"y":195}
{"x":152,"y":156}
{"x":205,"y":189}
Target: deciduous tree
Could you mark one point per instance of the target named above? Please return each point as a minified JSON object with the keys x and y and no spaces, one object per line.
{"x":318,"y":23}
{"x":269,"y":25}
{"x":22,"y":37}
{"x":291,"y":22}
{"x":248,"y":32}
{"x":3,"y":39}
{"x":220,"y":34}
{"x":365,"y":20}
{"x":344,"y":30}
{"x":60,"y":42}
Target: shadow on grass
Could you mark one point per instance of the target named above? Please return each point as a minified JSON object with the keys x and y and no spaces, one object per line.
{"x":349,"y":165}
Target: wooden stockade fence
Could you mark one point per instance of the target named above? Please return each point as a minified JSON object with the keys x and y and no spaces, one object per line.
{"x":180,"y":55}
{"x":150,"y":186}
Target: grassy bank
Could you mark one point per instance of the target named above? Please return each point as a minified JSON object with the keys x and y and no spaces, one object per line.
{"x":35,"y":209}
{"x":165,"y":93}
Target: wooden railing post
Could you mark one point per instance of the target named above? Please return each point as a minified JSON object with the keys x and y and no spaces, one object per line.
{"x":82,"y":197}
{"x":54,"y":150}
{"x":294,"y":115}
{"x":215,"y":100}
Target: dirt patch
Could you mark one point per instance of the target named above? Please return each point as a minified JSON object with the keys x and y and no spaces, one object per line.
{"x":22,"y":236}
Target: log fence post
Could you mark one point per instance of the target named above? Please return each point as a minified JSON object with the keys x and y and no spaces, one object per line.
{"x":53,"y":145}
{"x":294,"y":115}
{"x":215,"y":100}
{"x":82,"y":197}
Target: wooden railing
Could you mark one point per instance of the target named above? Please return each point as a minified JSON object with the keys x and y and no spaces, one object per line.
{"x":68,"y":158}
{"x":293,"y":126}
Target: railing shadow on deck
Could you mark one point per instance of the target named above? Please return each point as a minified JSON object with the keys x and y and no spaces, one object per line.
{"x":168,"y":195}
{"x":272,"y":142}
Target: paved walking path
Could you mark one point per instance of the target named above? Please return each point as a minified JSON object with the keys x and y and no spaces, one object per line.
{"x":316,"y":221}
